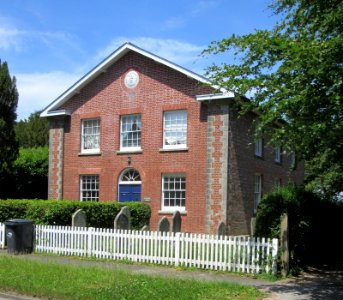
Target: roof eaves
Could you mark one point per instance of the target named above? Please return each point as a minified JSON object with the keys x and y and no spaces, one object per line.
{"x":54,"y":113}
{"x":215,"y":96}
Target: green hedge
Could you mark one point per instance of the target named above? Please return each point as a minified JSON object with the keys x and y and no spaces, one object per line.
{"x":53,"y":212}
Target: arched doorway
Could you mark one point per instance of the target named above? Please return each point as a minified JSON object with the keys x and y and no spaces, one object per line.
{"x":130,"y":186}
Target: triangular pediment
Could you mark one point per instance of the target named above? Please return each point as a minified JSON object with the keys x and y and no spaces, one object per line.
{"x":54,"y":108}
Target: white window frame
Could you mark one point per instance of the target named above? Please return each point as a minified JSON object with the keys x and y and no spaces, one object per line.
{"x":259,"y":147}
{"x":124,"y":133}
{"x":92,"y":136}
{"x":89,"y":184}
{"x":177,"y":127}
{"x":277,"y":155}
{"x":180,"y":180}
{"x":257,"y":190}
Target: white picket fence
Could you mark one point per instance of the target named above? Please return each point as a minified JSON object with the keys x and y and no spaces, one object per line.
{"x":243,"y":254}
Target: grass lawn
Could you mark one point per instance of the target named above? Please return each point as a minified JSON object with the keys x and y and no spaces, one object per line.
{"x":56,"y":281}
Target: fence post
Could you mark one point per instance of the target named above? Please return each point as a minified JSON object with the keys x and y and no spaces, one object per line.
{"x":177,"y":248}
{"x":274,"y":255}
{"x":284,"y":240}
{"x":90,"y":240}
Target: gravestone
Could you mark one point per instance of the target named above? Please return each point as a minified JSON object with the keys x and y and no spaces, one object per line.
{"x":122,"y":220}
{"x":163,"y":225}
{"x":145,"y":228}
{"x":221,"y":229}
{"x":79,"y":219}
{"x":176,"y":221}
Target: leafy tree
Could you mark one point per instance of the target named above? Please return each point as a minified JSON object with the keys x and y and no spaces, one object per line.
{"x":33,"y":132}
{"x":294,"y":73}
{"x":29,"y":178}
{"x":8,"y":144}
{"x":8,"y":107}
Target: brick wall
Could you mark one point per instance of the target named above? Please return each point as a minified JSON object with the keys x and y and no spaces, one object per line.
{"x":243,"y":165}
{"x":231,"y":169}
{"x":159,"y":89}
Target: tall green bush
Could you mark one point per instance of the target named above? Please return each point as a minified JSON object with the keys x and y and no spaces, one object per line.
{"x":313,"y":223}
{"x":30,"y":174}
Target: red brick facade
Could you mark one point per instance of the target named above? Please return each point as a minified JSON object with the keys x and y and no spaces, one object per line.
{"x":218,"y":164}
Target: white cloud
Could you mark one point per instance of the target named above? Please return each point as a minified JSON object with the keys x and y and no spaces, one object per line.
{"x":38,"y":90}
{"x":15,"y":39}
{"x":10,"y":38}
{"x":182,"y":53}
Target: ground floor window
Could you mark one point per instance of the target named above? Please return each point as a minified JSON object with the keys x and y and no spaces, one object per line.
{"x":89,"y":188}
{"x":173,"y":192}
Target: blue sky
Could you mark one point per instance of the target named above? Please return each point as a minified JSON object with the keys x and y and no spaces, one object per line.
{"x":48,"y":45}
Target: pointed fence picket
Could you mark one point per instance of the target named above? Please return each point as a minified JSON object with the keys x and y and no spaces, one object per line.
{"x":2,"y":235}
{"x":243,"y":254}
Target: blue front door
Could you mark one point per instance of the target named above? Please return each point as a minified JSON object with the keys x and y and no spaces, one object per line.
{"x":129,"y":192}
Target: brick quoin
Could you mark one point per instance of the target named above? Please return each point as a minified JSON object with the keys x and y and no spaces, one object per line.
{"x":219,"y":163}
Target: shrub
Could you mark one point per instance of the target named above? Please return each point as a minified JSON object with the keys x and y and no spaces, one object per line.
{"x":311,"y":222}
{"x":12,"y":209}
{"x":53,"y":212}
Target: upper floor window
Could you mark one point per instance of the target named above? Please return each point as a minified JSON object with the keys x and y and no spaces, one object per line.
{"x":175,"y":129}
{"x":173,"y":192}
{"x":259,"y":147}
{"x":90,"y":136}
{"x":277,"y":155}
{"x":130,"y":132}
{"x":257,"y":190}
{"x":89,"y":188}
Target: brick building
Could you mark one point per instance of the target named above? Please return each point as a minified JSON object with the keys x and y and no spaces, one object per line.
{"x":140,"y":128}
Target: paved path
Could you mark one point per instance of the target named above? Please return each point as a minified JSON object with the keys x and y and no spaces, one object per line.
{"x":317,"y":284}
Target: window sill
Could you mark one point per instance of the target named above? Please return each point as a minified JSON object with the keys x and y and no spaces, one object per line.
{"x":258,"y":156}
{"x":171,"y":212}
{"x":279,"y":163}
{"x":89,"y":153}
{"x":174,"y":149}
{"x":119,"y":152}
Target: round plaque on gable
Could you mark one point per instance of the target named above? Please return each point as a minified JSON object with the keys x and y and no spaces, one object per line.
{"x":131,"y":79}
